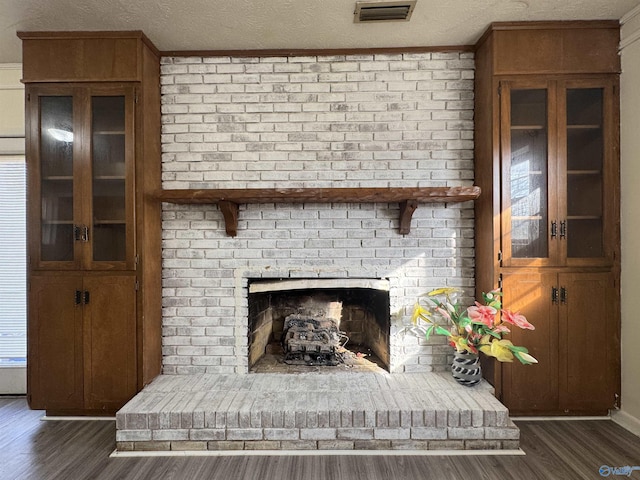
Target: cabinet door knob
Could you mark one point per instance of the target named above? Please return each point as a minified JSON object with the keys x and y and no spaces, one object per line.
{"x":563,"y":229}
{"x":554,"y":295}
{"x":78,"y":298}
{"x":81,"y":233}
{"x":563,"y":295}
{"x":77,"y":233}
{"x":554,"y":229}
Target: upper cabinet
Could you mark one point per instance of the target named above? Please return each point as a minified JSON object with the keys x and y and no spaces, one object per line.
{"x":82,"y":163}
{"x":557,"y":147}
{"x":546,"y":147}
{"x":86,"y":56}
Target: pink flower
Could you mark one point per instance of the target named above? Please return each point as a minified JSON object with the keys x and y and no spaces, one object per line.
{"x":482,"y":314}
{"x":516,"y":318}
{"x":501,"y":329}
{"x":443,"y":312}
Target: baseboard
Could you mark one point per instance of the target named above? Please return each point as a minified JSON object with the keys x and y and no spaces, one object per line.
{"x":627,"y":421}
{"x":79,"y":418}
{"x":306,"y":453}
{"x":515,"y":418}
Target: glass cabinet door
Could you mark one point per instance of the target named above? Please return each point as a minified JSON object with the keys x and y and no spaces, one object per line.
{"x":58,"y":229}
{"x":525,"y":127}
{"x":556,"y":162}
{"x":582,"y":225}
{"x":108,"y":180}
{"x":81,"y":164}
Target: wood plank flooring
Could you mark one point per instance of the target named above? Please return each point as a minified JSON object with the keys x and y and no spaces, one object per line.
{"x":79,"y":450}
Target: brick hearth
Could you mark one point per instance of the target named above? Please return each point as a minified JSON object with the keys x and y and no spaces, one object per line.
{"x":334,"y":411}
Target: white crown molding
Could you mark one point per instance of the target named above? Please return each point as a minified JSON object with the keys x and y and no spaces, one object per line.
{"x":630,"y":15}
{"x":633,"y":37}
{"x":628,"y":40}
{"x":11,"y":86}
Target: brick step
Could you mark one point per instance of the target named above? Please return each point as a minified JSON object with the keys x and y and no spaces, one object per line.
{"x":335,"y":411}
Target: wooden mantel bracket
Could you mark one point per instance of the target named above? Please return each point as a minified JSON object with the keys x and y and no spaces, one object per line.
{"x":230,"y":213}
{"x":408,"y":198}
{"x":407,"y":208}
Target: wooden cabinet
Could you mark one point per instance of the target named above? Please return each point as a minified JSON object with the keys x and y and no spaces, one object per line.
{"x":572,"y":313}
{"x":547,"y":222}
{"x":93,"y":159}
{"x":82,"y":342}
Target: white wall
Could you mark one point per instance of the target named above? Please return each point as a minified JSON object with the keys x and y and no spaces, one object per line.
{"x":12,"y":379}
{"x":11,"y":100}
{"x":630,"y":224}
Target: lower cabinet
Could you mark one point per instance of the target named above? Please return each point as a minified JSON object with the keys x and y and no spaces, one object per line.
{"x":574,"y":341}
{"x":82,"y":342}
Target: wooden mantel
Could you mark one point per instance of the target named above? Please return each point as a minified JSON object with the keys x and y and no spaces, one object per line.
{"x":408,"y":198}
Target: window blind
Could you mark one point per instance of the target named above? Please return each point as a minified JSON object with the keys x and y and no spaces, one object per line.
{"x":13,"y":277}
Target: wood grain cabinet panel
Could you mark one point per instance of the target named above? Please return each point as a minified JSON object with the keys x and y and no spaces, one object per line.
{"x":109,"y":337}
{"x":531,"y":388}
{"x":55,"y":343}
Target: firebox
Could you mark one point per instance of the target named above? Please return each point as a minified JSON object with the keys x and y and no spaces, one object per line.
{"x":297,"y":324}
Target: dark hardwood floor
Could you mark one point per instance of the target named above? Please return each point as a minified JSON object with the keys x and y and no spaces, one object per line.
{"x":79,"y":450}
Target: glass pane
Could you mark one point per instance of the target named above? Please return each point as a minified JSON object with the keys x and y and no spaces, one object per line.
{"x":529,"y":212}
{"x":56,"y":167}
{"x":108,"y":166}
{"x":585,"y":157}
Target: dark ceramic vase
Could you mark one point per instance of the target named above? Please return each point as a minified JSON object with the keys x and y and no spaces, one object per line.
{"x":466,"y":368}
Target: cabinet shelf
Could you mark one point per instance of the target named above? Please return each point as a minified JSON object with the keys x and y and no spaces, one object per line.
{"x":110,"y":178}
{"x":409,"y":198}
{"x":584,"y":172}
{"x":57,"y":222}
{"x":58,"y":178}
{"x":528,"y":127}
{"x":109,"y":132}
{"x":109,"y":222}
{"x":584,"y":217}
{"x":584,"y":127}
{"x":526,"y":174}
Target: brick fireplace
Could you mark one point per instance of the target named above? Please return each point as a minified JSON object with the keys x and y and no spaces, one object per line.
{"x":316,"y":122}
{"x":402,"y":120}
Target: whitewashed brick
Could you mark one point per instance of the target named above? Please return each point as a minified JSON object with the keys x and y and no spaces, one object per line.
{"x":356,"y":120}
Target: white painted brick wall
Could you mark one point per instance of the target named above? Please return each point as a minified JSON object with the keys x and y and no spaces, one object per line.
{"x":329,"y":121}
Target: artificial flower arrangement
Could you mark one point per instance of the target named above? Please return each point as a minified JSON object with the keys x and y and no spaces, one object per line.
{"x":475,"y":328}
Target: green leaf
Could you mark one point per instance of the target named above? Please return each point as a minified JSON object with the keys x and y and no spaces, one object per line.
{"x":442,"y":331}
{"x":429,"y":331}
{"x":515,"y":348}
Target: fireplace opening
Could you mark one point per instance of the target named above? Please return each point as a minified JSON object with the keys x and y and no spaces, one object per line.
{"x":301,"y":325}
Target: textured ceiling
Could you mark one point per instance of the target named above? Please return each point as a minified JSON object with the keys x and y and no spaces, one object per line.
{"x":282,"y":24}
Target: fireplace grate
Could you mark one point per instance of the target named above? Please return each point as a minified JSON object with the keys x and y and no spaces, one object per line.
{"x":310,"y":341}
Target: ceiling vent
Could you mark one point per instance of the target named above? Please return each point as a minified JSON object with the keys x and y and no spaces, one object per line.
{"x":399,"y":11}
